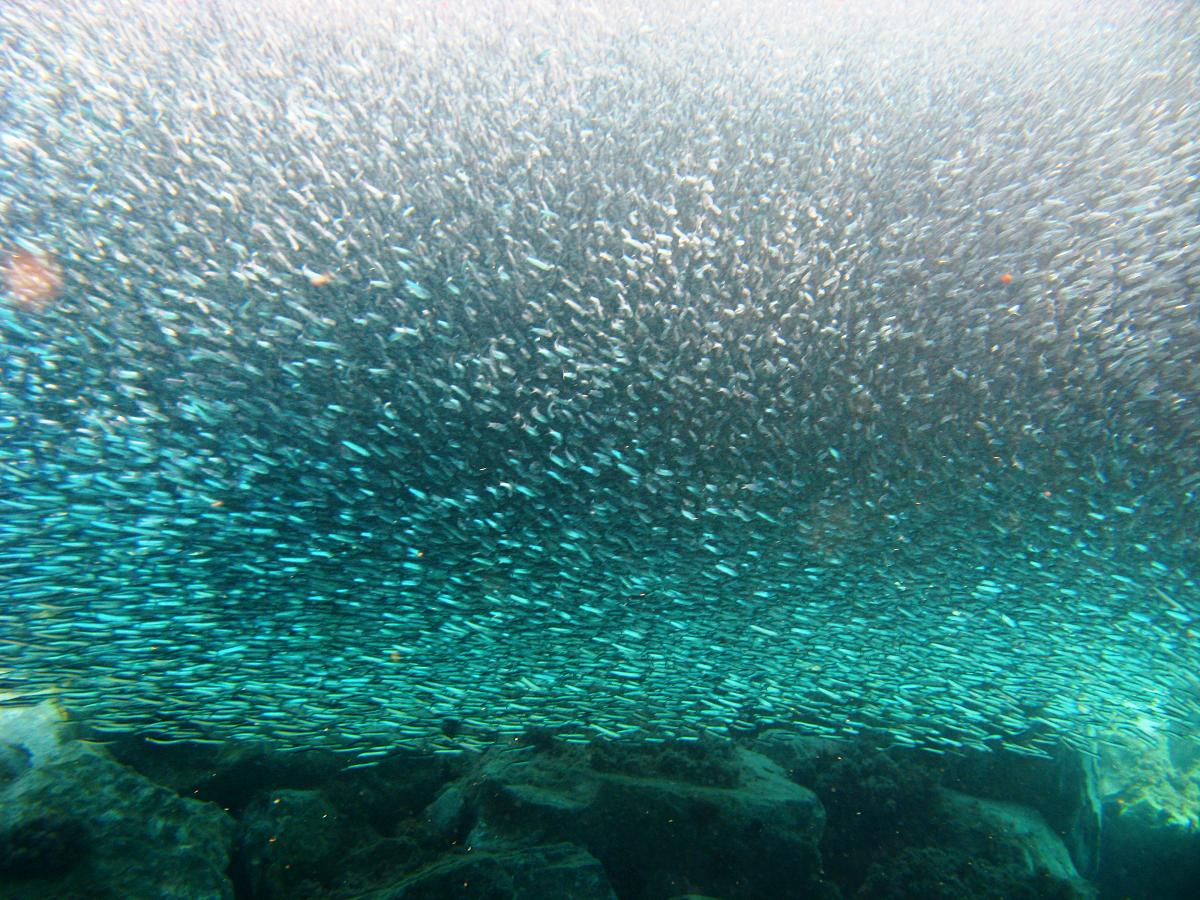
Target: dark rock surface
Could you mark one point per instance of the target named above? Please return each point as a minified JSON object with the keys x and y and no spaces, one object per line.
{"x":893,"y":830}
{"x":350,"y":834}
{"x":295,"y":844}
{"x":550,"y":872}
{"x":712,"y":819}
{"x":970,"y":847}
{"x":451,"y":813}
{"x":75,"y":823}
{"x":1065,"y":790}
{"x":1014,"y":838}
{"x":938,"y":873}
{"x":235,"y":775}
{"x":875,"y":805}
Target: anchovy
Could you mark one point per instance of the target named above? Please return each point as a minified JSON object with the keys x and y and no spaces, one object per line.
{"x":395,"y":380}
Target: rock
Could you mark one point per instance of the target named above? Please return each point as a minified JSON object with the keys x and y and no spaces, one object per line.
{"x":74,"y":823}
{"x":85,"y":826}
{"x":984,"y":848}
{"x":236,"y":774}
{"x":1080,"y":815}
{"x":40,"y":846}
{"x":36,"y":733}
{"x":397,"y":790}
{"x":548,"y":872}
{"x":893,"y":833}
{"x":1065,"y":790}
{"x":1144,"y":779}
{"x":229,"y":774}
{"x":662,"y":820}
{"x":938,"y":873}
{"x":288,"y":841}
{"x":1151,"y":845}
{"x":449,"y":814}
{"x":798,"y":754}
{"x":14,"y":760}
{"x":875,"y":805}
{"x":1020,"y":833}
{"x":298,"y":844}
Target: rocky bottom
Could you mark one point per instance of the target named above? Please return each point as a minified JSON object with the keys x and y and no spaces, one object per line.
{"x":771,"y":816}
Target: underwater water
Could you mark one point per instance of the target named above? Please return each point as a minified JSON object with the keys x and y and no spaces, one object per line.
{"x":416,"y":378}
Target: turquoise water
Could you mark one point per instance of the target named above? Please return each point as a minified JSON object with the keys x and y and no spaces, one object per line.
{"x":409,"y":378}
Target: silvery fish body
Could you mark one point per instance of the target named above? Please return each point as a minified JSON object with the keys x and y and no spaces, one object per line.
{"x":618,"y":369}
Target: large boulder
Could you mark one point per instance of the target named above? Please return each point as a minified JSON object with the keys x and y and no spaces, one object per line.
{"x":663,"y":821}
{"x":1064,"y":788}
{"x":75,"y":823}
{"x":893,"y":831}
{"x":983,"y":849}
{"x":1021,"y":836}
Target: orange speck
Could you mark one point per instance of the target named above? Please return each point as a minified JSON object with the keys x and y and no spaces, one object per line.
{"x":217,"y":503}
{"x":395,"y":656}
{"x":34,"y":279}
{"x":320,"y":279}
{"x":1006,"y":278}
{"x":1045,"y":493}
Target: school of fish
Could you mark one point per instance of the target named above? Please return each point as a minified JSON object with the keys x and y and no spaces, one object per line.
{"x":412,"y":375}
